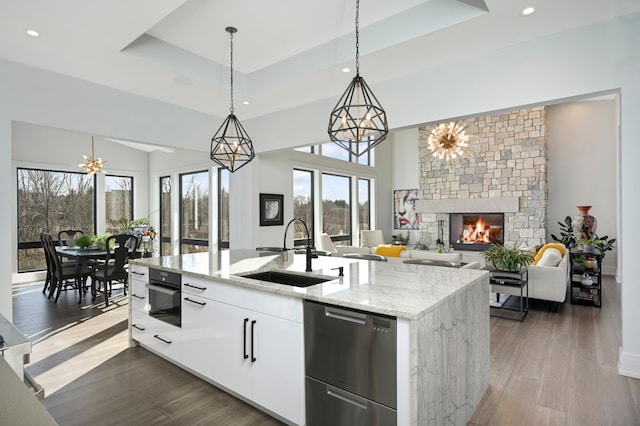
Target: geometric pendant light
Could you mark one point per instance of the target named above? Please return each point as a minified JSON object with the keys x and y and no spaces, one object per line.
{"x":358,"y":122}
{"x":92,"y":165}
{"x":231,"y":147}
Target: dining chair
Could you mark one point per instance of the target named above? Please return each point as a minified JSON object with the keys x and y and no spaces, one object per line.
{"x":67,"y":237}
{"x":49,"y":278}
{"x":62,"y":273}
{"x":113,"y":268}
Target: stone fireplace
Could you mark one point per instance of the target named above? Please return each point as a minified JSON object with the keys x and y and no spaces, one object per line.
{"x":505,"y":174}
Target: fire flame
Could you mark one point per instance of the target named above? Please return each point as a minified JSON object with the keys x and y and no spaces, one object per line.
{"x":479,"y":233}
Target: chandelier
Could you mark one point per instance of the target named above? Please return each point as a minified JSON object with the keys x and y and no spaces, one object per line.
{"x":448,"y":142}
{"x":358,"y":122}
{"x":92,"y":165}
{"x":231,"y":147}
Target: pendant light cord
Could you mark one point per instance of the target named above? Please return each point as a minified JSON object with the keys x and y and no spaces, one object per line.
{"x":231,"y":67}
{"x":357,"y":37}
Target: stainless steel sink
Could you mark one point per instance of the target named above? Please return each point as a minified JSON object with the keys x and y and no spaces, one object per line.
{"x":286,"y":278}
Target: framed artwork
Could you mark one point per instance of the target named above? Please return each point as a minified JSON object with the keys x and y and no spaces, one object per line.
{"x":405,"y":215}
{"x":271,"y":209}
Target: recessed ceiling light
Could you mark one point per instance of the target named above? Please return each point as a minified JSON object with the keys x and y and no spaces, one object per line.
{"x":33,"y":33}
{"x":245,"y":102}
{"x":528,"y":11}
{"x":345,"y":69}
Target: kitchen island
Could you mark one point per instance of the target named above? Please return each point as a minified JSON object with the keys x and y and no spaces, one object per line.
{"x":442,"y":327}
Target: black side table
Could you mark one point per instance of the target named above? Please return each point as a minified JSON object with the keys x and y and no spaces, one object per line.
{"x":508,"y":281}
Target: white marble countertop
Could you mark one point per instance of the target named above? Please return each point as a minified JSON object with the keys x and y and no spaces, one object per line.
{"x":406,"y":291}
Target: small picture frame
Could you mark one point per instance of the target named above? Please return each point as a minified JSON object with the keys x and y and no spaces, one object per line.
{"x":271,"y":209}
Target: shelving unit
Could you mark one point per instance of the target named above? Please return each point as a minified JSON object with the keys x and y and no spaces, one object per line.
{"x":506,"y":282}
{"x":582,"y":294}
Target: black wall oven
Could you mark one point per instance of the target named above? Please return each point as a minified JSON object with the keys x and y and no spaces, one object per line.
{"x":164,"y":296}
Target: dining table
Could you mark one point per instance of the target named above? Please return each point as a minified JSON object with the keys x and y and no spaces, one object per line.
{"x":81,"y":256}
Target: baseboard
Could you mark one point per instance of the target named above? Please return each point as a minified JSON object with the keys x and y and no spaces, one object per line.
{"x":629,"y":364}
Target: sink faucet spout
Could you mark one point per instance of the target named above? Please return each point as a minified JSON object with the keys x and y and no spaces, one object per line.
{"x":309,"y":252}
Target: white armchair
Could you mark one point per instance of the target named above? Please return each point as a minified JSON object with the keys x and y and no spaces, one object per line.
{"x":372,"y":238}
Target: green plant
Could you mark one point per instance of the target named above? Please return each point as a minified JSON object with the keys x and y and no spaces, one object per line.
{"x":603,"y":244}
{"x":140,"y":222}
{"x":420,"y":246}
{"x":84,"y":241}
{"x":400,"y":239}
{"x":101,"y":241}
{"x":507,"y":258}
{"x":568,"y":237}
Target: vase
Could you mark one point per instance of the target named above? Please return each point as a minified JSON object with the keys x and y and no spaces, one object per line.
{"x":584,"y":224}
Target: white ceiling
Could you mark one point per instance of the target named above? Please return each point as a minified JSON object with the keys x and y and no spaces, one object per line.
{"x":286,"y":52}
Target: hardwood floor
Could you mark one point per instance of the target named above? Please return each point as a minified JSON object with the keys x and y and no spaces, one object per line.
{"x":552,"y":369}
{"x":90,"y":376}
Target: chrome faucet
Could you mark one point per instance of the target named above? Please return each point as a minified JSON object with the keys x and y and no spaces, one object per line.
{"x":310,"y":254}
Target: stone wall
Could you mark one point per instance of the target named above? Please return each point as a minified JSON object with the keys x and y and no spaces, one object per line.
{"x":507,"y":158}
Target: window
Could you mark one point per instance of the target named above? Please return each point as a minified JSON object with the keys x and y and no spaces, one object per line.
{"x":223,"y":203}
{"x":118,"y":199}
{"x":165,"y":215}
{"x":302,"y":205}
{"x":50,"y":201}
{"x":336,"y":207}
{"x":194,"y":212}
{"x":364,"y":209}
{"x":332,"y":150}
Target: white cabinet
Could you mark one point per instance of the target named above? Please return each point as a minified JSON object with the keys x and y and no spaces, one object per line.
{"x":197,"y":334}
{"x":248,"y":341}
{"x":260,"y":356}
{"x":160,"y":337}
{"x":156,"y":335}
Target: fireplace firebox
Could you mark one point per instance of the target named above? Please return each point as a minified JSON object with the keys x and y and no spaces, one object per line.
{"x":475,"y":231}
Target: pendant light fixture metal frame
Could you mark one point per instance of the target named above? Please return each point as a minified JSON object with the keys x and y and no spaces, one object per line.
{"x":358,"y":122}
{"x":231,"y":146}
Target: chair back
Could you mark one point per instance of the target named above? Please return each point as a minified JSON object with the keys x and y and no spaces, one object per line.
{"x":371,"y":238}
{"x":45,"y":239}
{"x":118,"y":251}
{"x":67,"y":237}
{"x":133,"y":243}
{"x":53,"y":260}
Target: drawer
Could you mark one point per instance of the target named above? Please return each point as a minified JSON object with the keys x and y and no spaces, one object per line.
{"x":139,"y":272}
{"x":162,"y":338}
{"x":139,"y":296}
{"x":198,"y":287}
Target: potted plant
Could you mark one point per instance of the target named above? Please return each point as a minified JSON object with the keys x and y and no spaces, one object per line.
{"x":567,"y":236}
{"x":603,"y":244}
{"x":507,"y":258}
{"x":85,"y":241}
{"x":399,"y":239}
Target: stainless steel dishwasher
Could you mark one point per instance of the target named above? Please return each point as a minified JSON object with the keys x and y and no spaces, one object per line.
{"x":350,"y":364}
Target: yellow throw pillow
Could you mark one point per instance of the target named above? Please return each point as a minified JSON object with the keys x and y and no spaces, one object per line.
{"x":389,"y":250}
{"x":558,"y":246}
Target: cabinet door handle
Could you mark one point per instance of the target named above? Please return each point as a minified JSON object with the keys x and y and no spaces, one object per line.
{"x":138,"y":273}
{"x":253,"y":323}
{"x":244,"y":339}
{"x":160,"y":338}
{"x":195,"y":301}
{"x":137,"y":297}
{"x":136,"y":326}
{"x":194,"y":286}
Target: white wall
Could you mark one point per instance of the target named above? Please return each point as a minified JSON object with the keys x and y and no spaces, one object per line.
{"x":405,"y":166}
{"x":583,"y":167}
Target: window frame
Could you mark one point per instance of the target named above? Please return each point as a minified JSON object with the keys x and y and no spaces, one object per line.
{"x":311,"y":225}
{"x":23,"y":245}
{"x":131,"y":209}
{"x":223,"y":244}
{"x":192,"y":241}
{"x":344,"y":237}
